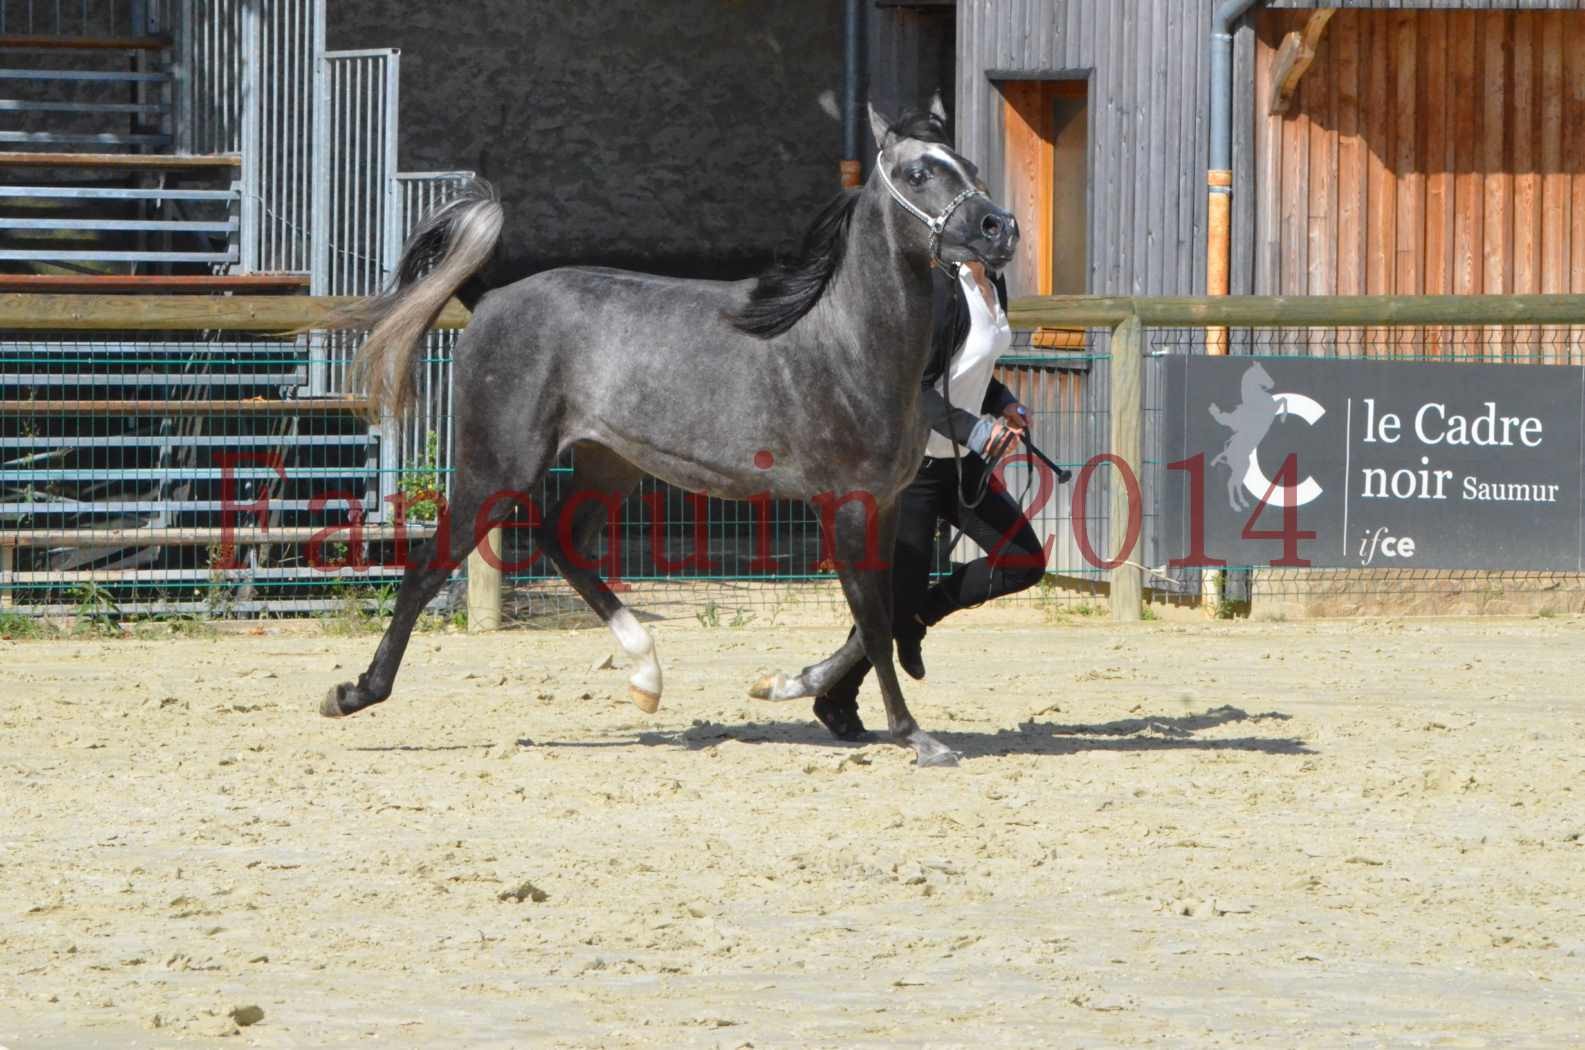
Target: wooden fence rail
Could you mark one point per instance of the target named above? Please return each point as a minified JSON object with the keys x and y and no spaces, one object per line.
{"x":1125,"y":317}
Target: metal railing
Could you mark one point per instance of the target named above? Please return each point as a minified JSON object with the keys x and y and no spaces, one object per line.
{"x":85,"y":18}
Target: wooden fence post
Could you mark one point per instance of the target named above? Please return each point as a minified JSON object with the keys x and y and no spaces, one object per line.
{"x":7,"y":562}
{"x":484,"y":584}
{"x":1128,"y":372}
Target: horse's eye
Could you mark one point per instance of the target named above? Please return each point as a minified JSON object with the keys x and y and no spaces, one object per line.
{"x":918,"y":176}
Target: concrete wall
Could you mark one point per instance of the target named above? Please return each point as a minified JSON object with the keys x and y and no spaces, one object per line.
{"x":682,"y":136}
{"x":692,"y":137}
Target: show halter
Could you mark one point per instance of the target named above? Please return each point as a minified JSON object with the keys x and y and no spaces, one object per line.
{"x":938,"y":224}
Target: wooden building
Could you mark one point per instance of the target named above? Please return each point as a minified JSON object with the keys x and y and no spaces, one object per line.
{"x":1431,"y":146}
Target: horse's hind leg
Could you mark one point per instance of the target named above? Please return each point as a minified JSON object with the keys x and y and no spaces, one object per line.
{"x":600,"y":481}
{"x":814,"y":679}
{"x":430,"y":566}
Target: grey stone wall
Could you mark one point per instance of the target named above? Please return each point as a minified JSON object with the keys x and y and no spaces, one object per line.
{"x":680,"y":136}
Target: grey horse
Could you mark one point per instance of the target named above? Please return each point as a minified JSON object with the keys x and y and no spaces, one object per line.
{"x":800,"y":384}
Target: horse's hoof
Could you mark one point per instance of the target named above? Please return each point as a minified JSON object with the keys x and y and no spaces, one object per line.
{"x":647,"y":701}
{"x":937,"y":759}
{"x":334,"y":706}
{"x":929,"y":753}
{"x":766,"y":687}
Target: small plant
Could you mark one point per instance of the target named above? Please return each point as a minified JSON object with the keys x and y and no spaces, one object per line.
{"x":15,"y":627}
{"x":1227,"y":609}
{"x":422,"y":486}
{"x":1147,"y":614}
{"x":709,"y":616}
{"x":219,"y":594}
{"x":456,"y":621}
{"x":96,"y":610}
{"x":362,"y":609}
{"x":741,"y":618}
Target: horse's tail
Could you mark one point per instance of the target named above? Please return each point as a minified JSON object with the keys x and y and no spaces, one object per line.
{"x":448,"y":247}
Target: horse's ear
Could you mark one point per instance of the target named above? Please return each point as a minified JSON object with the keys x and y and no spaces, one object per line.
{"x":879,"y":126}
{"x":938,"y":109}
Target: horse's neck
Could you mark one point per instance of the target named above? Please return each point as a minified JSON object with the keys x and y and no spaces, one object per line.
{"x":881,"y":295}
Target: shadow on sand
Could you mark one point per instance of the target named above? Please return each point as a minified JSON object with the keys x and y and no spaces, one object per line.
{"x":1148,"y":733}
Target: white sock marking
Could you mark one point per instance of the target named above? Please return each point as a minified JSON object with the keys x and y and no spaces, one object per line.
{"x":637,"y":643}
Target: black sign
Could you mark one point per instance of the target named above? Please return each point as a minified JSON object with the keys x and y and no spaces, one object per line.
{"x":1349,"y":464}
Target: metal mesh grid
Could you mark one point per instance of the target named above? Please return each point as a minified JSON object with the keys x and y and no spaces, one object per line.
{"x":135,"y":473}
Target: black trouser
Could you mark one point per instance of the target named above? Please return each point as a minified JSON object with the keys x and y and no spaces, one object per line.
{"x":1015,"y":561}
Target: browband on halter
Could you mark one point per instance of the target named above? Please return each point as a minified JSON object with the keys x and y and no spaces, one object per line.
{"x":939,"y":223}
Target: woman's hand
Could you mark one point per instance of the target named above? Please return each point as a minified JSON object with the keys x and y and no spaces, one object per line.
{"x":992,"y":437}
{"x":1016,"y":417}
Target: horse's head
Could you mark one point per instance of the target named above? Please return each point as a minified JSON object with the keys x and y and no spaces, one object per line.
{"x":1256,"y":381}
{"x":942,"y":190}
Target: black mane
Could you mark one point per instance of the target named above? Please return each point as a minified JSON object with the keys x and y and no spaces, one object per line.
{"x":790,"y":289}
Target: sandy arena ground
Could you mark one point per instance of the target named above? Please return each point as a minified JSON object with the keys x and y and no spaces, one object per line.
{"x":1182,"y":834}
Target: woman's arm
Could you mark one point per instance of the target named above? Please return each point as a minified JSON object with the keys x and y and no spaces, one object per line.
{"x":998,"y":399}
{"x":951,"y":422}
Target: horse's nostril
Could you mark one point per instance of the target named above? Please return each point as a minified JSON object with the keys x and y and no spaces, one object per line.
{"x":992,"y":226}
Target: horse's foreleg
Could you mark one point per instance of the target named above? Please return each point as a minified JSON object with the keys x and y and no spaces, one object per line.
{"x":869,"y":595}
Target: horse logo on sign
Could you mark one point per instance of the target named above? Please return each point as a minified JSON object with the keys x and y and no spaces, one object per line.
{"x":1250,"y":422}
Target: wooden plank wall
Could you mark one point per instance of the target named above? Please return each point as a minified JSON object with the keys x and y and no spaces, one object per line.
{"x":1148,"y":131}
{"x":1427,"y":152}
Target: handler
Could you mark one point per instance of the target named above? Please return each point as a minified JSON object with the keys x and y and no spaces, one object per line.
{"x":970,"y":332}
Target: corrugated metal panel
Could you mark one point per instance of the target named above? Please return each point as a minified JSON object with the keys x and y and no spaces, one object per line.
{"x":1148,"y":127}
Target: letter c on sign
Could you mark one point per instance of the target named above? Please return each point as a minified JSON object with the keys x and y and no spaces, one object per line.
{"x":1307,"y":491}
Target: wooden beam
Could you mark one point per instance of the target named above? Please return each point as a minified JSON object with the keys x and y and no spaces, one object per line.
{"x":128,"y":161}
{"x":1300,"y":311}
{"x":1127,"y":412}
{"x":1295,"y":57}
{"x":152,"y":283}
{"x":317,"y":406}
{"x":201,"y":537}
{"x":230,"y":313}
{"x":484,"y":584}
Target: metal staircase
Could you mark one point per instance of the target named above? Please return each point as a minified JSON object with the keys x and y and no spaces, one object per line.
{"x":143,"y":156}
{"x":88,"y":183}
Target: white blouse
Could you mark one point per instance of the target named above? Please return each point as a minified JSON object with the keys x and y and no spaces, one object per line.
{"x":975,"y":362}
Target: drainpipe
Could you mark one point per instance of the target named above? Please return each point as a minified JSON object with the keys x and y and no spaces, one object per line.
{"x":852,"y":164}
{"x":1219,"y":179}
